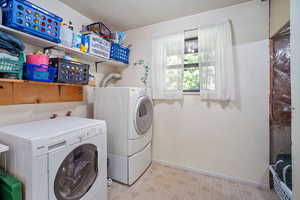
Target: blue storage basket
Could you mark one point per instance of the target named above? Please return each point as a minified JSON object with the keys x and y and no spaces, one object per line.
{"x":119,"y":53}
{"x":27,"y":17}
{"x":43,"y":73}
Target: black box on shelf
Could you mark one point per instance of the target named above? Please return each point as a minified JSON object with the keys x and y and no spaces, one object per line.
{"x":101,"y":29}
{"x":70,"y":72}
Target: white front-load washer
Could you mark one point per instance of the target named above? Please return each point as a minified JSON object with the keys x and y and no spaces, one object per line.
{"x":59,"y":159}
{"x":128,"y":112}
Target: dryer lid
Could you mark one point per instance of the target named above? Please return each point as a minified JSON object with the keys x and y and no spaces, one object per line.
{"x":143,"y":115}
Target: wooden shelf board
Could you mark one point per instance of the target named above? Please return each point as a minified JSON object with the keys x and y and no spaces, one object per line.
{"x":39,"y":82}
{"x":11,"y":80}
{"x":15,"y":92}
{"x":53,"y":83}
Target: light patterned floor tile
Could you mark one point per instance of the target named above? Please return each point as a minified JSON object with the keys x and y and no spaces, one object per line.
{"x":167,"y":183}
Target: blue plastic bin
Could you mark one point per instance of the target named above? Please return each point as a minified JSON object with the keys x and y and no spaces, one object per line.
{"x":27,"y":17}
{"x":119,"y":53}
{"x":43,"y":73}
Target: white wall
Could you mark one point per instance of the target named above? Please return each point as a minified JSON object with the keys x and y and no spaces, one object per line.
{"x":22,"y":113}
{"x":295,"y":79}
{"x":231,"y":141}
{"x":31,"y":112}
{"x":279,"y":15}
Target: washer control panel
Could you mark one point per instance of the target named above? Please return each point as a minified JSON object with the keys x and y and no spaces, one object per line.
{"x":71,"y":138}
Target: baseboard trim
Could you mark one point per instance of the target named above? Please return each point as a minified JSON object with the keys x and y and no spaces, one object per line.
{"x":212,"y":174}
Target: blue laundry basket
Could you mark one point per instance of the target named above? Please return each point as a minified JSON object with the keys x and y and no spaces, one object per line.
{"x":27,"y":17}
{"x":119,"y":53}
{"x":42,"y":73}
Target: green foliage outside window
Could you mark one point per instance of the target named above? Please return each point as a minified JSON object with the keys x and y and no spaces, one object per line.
{"x":191,"y":58}
{"x":191,"y":76}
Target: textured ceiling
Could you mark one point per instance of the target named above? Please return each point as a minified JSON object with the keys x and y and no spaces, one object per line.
{"x":130,"y":14}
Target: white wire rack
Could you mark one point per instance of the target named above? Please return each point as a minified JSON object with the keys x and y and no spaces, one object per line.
{"x":3,"y":150}
{"x":280,"y":187}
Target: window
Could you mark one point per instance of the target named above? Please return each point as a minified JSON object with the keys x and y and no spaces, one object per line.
{"x":199,"y":61}
{"x":172,"y":72}
{"x":194,"y":69}
{"x":174,"y":62}
{"x":191,"y":73}
{"x":167,"y":66}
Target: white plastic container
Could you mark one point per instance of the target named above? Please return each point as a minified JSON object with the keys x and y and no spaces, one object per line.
{"x":66,"y":36}
{"x":99,"y":47}
{"x":77,"y":38}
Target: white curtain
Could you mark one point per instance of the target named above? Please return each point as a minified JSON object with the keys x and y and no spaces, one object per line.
{"x":167,"y":66}
{"x":216,"y":62}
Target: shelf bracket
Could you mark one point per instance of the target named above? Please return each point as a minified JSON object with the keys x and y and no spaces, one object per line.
{"x":46,"y":48}
{"x":96,"y":65}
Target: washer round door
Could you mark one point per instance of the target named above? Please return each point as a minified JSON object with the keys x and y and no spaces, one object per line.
{"x":77,"y":173}
{"x":143,"y":115}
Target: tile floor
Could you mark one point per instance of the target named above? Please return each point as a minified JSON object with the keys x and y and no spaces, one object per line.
{"x":166,"y":183}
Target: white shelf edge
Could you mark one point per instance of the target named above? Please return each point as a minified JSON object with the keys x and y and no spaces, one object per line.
{"x":83,"y":55}
{"x":25,"y":37}
{"x":40,"y":42}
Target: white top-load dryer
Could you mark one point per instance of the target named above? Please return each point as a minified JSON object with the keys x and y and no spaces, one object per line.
{"x":128,"y":112}
{"x":59,"y":159}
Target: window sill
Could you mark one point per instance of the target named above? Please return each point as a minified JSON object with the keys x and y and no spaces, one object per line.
{"x":191,"y":93}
